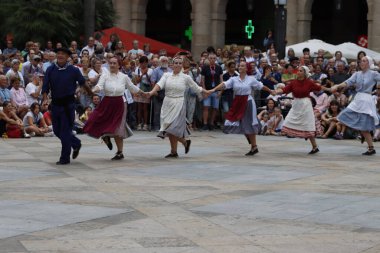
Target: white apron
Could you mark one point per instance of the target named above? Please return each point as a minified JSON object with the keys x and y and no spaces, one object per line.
{"x":364,"y":103}
{"x":301,"y":116}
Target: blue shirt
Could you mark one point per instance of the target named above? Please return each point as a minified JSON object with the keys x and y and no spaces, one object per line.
{"x":364,"y":81}
{"x":5,"y":95}
{"x":62,"y":82}
{"x":158,"y":73}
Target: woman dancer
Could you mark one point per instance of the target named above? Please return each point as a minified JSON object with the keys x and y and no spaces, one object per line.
{"x":242,"y":117}
{"x":300,"y":121}
{"x":108,"y":118}
{"x":173,"y":111}
{"x":361,"y":114}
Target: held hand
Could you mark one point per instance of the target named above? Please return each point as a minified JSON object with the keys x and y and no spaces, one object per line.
{"x":273,"y":92}
{"x":334,"y":88}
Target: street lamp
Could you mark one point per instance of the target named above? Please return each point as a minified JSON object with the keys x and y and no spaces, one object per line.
{"x":280,"y":27}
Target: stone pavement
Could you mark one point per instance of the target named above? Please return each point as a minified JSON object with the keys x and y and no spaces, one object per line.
{"x":213,"y":200}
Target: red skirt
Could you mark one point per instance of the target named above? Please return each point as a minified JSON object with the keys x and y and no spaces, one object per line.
{"x":106,"y":117}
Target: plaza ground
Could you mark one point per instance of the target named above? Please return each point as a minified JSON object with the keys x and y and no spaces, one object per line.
{"x":212,"y":200}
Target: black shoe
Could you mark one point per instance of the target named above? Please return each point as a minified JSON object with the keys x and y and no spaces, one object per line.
{"x":187,"y":147}
{"x":107,"y":141}
{"x":314,"y":150}
{"x":61,"y":163}
{"x":252,"y":152}
{"x":369,"y":152}
{"x":76,"y":151}
{"x":211,"y":127}
{"x":171,"y":155}
{"x":205,"y":128}
{"x":118,"y":156}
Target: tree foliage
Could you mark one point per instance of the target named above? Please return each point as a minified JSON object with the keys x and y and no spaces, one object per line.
{"x":43,"y":20}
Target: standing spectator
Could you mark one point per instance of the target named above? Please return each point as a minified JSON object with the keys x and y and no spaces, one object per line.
{"x":10,"y":50}
{"x":142,"y":79}
{"x":49,"y":47}
{"x":74,"y":46}
{"x":211,"y":75}
{"x":157,"y":100}
{"x":135,"y":49}
{"x":227,"y":95}
{"x":268,"y":40}
{"x":51,"y":60}
{"x":90,"y":47}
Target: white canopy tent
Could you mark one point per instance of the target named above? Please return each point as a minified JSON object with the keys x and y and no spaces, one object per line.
{"x":313,"y":45}
{"x":348,"y":49}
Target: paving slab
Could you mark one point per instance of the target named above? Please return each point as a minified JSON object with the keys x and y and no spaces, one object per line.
{"x":213,"y":199}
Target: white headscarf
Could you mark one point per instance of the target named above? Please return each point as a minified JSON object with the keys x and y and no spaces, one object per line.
{"x":307,"y":71}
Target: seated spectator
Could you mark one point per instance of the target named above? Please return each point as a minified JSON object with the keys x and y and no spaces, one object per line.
{"x":18,"y":97}
{"x":329,"y":119}
{"x":275,"y":122}
{"x":34,"y":122}
{"x":322,"y":100}
{"x":317,"y":118}
{"x":340,"y":97}
{"x":95,"y":101}
{"x":264,"y":123}
{"x":288,"y":74}
{"x":318,"y":75}
{"x":269,"y":108}
{"x":33,"y":89}
{"x":10,"y":124}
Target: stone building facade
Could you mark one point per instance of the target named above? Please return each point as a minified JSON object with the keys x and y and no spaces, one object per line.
{"x":210,"y":15}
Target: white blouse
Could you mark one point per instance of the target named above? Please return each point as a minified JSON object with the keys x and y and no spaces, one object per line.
{"x":114,"y":85}
{"x":175,"y":84}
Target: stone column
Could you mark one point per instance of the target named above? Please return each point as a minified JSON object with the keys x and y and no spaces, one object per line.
{"x":201,"y":17}
{"x":123,"y":12}
{"x":373,"y":25}
{"x":218,"y":28}
{"x":138,"y":16}
{"x":291,"y":26}
{"x":303,"y":26}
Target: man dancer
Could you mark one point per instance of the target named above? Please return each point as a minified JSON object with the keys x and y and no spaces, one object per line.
{"x":61,"y":80}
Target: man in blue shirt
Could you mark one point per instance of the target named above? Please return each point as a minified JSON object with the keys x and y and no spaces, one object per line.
{"x":61,"y":80}
{"x":157,"y":100}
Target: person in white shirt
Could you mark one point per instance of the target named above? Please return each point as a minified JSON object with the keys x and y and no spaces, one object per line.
{"x":135,"y":50}
{"x":109,"y":117}
{"x":33,"y":89}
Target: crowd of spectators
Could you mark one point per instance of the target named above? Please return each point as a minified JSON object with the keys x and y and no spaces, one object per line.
{"x":22,"y":73}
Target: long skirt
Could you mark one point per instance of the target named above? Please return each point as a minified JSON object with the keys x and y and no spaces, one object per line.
{"x":360,"y":114}
{"x":249,"y":124}
{"x":108,"y":119}
{"x":300,"y":121}
{"x":173,"y":118}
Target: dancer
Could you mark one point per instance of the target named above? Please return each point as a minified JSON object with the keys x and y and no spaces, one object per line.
{"x":242,"y":116}
{"x":361,"y":114}
{"x":61,"y":80}
{"x":109,"y":117}
{"x":173,"y":111}
{"x":300,"y":121}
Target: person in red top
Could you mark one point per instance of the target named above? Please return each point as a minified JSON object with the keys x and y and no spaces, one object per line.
{"x":300,"y":121}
